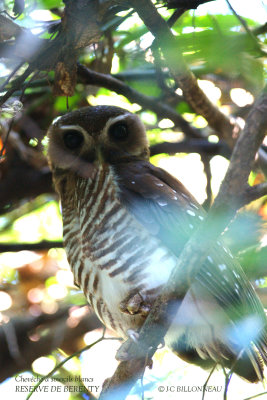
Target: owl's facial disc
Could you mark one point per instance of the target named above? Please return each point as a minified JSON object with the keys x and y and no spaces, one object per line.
{"x":123,"y":138}
{"x":73,"y":139}
{"x":68,"y":150}
{"x":80,"y":140}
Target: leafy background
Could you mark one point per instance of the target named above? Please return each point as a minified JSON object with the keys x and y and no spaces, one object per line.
{"x":36,"y":285}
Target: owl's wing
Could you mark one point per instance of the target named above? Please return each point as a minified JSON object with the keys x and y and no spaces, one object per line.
{"x":164,"y":206}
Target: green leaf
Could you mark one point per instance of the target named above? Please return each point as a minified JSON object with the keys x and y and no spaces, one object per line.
{"x":221,"y":21}
{"x":128,"y":36}
{"x":48,"y":4}
{"x":146,"y":87}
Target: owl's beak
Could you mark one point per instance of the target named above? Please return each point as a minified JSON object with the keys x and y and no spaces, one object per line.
{"x":99,"y":155}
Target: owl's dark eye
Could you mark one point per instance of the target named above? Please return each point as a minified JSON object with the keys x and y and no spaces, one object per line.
{"x":73,"y":139}
{"x":119,"y":131}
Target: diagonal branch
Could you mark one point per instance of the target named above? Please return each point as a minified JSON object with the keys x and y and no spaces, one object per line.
{"x":186,"y":80}
{"x":201,"y":146}
{"x":193,"y":254}
{"x":107,"y":81}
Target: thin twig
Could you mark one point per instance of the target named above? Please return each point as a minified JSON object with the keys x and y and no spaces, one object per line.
{"x":16,"y":84}
{"x":201,"y":146}
{"x":226,"y":385}
{"x":180,"y":71}
{"x":58,"y":366}
{"x":256,"y":395}
{"x":207,"y":381}
{"x":253,"y":193}
{"x":244,"y":24}
{"x":206,"y":162}
{"x":176,"y":15}
{"x":2,"y":87}
{"x":107,"y":81}
{"x":24,"y":87}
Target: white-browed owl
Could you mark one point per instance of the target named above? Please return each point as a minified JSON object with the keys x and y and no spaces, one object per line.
{"x":125,"y":223}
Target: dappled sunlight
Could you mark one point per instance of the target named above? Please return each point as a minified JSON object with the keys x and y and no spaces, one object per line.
{"x":19,"y":259}
{"x":212,"y":91}
{"x":43,"y":365}
{"x":241,"y":97}
{"x":165,"y":123}
{"x":113,"y":100}
{"x":189,"y":170}
{"x":187,"y":93}
{"x":219,"y":167}
{"x":5,"y":301}
{"x":105,"y":351}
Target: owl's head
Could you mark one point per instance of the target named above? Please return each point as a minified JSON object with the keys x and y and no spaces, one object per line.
{"x":102,"y":134}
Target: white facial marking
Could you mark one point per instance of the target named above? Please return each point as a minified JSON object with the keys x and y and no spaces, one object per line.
{"x":56,"y":119}
{"x":73,"y":127}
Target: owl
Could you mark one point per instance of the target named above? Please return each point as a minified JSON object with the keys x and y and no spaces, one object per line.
{"x":125,"y":223}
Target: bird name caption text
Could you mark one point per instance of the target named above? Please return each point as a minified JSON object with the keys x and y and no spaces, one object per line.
{"x":71,"y":384}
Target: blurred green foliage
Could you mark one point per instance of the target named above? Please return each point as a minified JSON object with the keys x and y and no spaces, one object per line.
{"x":217,"y":49}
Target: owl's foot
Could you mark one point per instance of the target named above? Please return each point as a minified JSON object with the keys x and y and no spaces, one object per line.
{"x":123,"y":353}
{"x":133,"y":335}
{"x":135,"y":304}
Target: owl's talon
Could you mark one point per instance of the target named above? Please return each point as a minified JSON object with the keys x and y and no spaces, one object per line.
{"x":122,"y":353}
{"x":135,"y":305}
{"x":150,"y":363}
{"x":133,"y":335}
{"x":144,"y":310}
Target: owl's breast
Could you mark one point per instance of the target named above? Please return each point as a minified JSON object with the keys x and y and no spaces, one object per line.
{"x":112,"y":255}
{"x":121,"y":258}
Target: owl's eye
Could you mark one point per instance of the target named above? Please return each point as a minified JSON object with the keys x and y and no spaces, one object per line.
{"x":73,"y":139}
{"x":119,"y":131}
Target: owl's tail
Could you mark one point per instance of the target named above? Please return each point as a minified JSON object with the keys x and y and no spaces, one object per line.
{"x":248,"y":363}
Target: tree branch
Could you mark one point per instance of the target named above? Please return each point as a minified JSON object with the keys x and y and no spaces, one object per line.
{"x":200,"y":146}
{"x":40,"y":246}
{"x":107,"y":81}
{"x":188,"y":4}
{"x":193,"y":254}
{"x":186,"y":80}
{"x":16,"y":84}
{"x":18,"y":351}
{"x":253,"y":193}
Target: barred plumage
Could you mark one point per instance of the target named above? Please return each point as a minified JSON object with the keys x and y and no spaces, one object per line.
{"x":125,"y":223}
{"x":112,"y":244}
